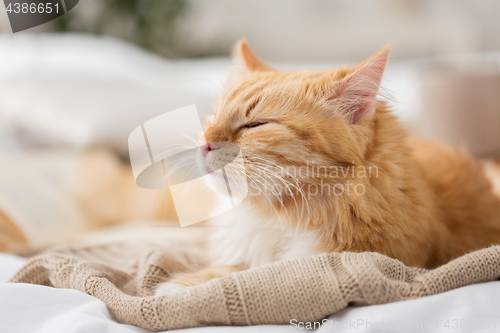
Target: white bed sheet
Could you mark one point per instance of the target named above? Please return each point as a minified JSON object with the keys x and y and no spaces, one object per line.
{"x":38,"y":309}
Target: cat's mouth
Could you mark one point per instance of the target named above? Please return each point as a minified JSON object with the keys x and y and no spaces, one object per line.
{"x":222,"y":161}
{"x":208,"y":162}
{"x":216,"y":156}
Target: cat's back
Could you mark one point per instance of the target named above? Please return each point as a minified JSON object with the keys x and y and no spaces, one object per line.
{"x":463,"y":195}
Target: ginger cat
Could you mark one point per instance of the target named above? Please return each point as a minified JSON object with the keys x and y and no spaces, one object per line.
{"x":364,"y":185}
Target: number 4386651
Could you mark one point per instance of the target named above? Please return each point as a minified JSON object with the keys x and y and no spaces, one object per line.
{"x":32,"y":8}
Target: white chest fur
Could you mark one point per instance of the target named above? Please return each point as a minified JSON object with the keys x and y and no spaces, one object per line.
{"x":248,"y":240}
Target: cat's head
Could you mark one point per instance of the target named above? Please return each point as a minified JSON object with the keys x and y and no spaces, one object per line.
{"x":290,"y":124}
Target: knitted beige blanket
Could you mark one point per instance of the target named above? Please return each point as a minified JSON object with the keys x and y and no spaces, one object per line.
{"x":306,"y":289}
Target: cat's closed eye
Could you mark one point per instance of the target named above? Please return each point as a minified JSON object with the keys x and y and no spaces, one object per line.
{"x":252,"y":125}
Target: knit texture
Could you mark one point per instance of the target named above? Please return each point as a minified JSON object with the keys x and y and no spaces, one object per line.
{"x":305,"y":289}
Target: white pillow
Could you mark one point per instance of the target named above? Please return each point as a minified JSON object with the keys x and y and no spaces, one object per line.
{"x":82,"y":90}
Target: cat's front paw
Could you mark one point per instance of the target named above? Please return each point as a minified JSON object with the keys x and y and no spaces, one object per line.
{"x":169,"y":288}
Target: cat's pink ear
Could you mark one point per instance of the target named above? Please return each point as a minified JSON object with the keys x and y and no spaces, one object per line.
{"x":356,"y":95}
{"x":246,"y":59}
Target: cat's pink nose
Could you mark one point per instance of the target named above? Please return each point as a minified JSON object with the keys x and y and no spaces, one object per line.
{"x":205,"y":147}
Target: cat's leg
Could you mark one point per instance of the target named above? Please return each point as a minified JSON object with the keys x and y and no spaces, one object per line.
{"x":184,"y":280}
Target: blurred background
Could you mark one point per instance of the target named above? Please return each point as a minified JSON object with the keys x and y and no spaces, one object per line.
{"x":290,"y":30}
{"x":74,"y":88}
